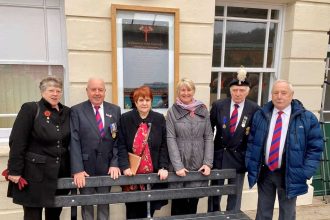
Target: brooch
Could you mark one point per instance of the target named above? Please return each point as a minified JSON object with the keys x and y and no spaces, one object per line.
{"x":108,"y":115}
{"x":47,"y":114}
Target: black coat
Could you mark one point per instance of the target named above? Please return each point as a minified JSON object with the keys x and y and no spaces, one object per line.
{"x":39,"y":152}
{"x":129,"y":123}
{"x":229,"y":151}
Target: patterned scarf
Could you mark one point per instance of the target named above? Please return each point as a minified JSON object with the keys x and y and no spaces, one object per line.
{"x":141,"y":148}
{"x":191,"y":107}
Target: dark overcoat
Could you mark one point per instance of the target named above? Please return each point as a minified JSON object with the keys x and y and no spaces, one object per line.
{"x":129,"y":124}
{"x":39,"y":152}
{"x":229,"y":151}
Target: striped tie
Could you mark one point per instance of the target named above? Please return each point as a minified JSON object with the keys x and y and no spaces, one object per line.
{"x":275,"y":145}
{"x":233,"y":120}
{"x":99,"y":121}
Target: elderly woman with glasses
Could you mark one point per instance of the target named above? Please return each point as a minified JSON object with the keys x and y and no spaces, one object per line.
{"x":38,"y":154}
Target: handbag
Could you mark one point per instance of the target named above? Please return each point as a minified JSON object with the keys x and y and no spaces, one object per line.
{"x":134,"y":162}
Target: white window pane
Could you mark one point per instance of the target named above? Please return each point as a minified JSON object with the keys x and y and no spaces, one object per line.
{"x":53,"y":2}
{"x":54,"y":36}
{"x":23,"y":34}
{"x":24,"y":2}
{"x":245,"y":43}
{"x":20,"y":83}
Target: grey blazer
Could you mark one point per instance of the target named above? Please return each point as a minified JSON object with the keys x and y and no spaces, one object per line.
{"x":88,"y":150}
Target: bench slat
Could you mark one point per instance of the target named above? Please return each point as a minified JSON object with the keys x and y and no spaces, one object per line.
{"x":67,"y":183}
{"x":139,"y":196}
{"x":200,"y":216}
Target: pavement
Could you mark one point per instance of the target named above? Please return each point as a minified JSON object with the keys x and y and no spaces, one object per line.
{"x":319,"y":210}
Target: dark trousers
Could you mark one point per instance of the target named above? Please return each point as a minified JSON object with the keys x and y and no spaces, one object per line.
{"x":184,"y":206}
{"x":87,"y":212}
{"x":233,"y":201}
{"x":35,"y":213}
{"x":270,"y":183}
{"x":137,"y":210}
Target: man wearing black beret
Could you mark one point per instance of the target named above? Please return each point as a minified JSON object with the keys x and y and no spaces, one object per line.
{"x":232,"y":118}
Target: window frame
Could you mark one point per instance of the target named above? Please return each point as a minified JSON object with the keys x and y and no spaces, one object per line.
{"x":5,"y":132}
{"x":117,"y":82}
{"x":273,"y":71}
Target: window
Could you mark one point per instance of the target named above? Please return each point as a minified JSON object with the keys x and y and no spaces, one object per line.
{"x":144,"y":53}
{"x":31,"y":48}
{"x":245,"y":36}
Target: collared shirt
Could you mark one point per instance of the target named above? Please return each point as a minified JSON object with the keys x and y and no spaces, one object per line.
{"x":285,"y":124}
{"x":240,"y":110}
{"x":101,"y":111}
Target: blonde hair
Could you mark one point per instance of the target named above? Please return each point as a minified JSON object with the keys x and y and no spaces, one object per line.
{"x":187,"y":83}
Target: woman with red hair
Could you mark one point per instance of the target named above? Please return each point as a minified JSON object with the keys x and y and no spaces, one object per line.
{"x":143,"y":133}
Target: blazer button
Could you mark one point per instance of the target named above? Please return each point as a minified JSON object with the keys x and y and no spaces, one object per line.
{"x":58,"y":129}
{"x":33,"y":160}
{"x":225,"y":148}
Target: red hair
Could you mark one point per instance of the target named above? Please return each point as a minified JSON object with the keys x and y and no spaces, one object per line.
{"x":143,"y":91}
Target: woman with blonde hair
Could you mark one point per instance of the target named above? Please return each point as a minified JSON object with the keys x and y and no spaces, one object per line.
{"x":189,"y":141}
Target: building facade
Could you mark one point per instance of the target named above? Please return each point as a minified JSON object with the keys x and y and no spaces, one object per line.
{"x":206,"y":41}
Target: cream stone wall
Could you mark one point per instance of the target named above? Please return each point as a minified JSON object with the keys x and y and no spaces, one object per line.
{"x":304,"y":49}
{"x":88,"y":26}
{"x":89,"y":42}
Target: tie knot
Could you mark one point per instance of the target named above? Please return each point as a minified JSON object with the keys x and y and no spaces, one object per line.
{"x":280,"y":113}
{"x":96,"y":108}
{"x":236,"y":105}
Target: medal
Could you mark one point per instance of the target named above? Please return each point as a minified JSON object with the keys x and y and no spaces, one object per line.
{"x":113,"y":129}
{"x":247,"y":131}
{"x":244,"y":121}
{"x":224,"y":122}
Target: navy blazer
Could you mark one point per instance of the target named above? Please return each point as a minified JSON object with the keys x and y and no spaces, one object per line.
{"x":88,"y":150}
{"x":229,"y":151}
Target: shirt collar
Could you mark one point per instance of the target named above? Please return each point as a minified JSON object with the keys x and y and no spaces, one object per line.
{"x":240,"y":104}
{"x":101,"y":106}
{"x":286,"y":111}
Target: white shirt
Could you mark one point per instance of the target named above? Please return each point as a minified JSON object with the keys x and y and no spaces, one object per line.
{"x":285,"y":124}
{"x":101,"y":111}
{"x":239,"y":110}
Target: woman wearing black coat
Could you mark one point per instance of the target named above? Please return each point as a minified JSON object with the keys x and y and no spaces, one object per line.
{"x":137,"y":126}
{"x":38,"y":154}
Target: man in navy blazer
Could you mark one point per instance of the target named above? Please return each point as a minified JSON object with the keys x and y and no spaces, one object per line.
{"x":93,"y":147}
{"x":230,"y":143}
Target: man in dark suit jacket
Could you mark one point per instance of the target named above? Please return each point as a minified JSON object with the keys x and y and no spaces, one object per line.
{"x":231,"y":136}
{"x":93,"y":143}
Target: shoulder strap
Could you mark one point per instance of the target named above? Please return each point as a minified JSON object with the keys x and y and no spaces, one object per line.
{"x":38,"y":111}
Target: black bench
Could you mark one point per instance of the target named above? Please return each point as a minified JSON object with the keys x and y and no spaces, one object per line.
{"x":73,"y":200}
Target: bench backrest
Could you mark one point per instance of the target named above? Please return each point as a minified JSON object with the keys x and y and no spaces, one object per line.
{"x":74,"y":200}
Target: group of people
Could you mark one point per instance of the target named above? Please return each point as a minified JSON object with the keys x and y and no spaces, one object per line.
{"x":279,"y":145}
